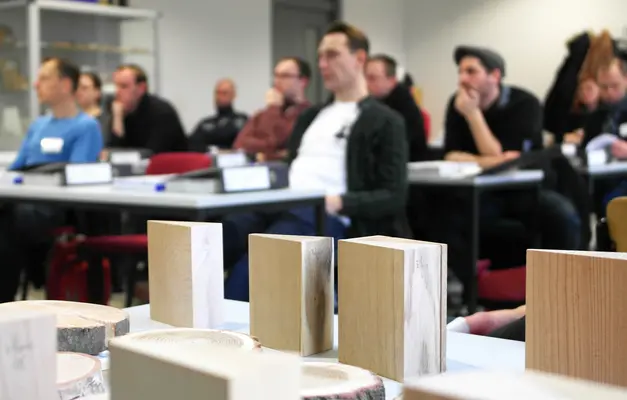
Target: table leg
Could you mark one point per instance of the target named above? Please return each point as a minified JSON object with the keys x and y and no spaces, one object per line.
{"x":471,"y":287}
{"x":321,"y":217}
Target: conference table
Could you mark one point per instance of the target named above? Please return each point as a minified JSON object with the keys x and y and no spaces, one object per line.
{"x":463,"y":351}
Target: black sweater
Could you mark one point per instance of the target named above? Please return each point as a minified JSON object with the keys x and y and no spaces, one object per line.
{"x":376,"y":164}
{"x":154,"y":125}
{"x":401,"y":101}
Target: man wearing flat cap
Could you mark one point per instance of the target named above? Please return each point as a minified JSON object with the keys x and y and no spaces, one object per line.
{"x":489,"y":122}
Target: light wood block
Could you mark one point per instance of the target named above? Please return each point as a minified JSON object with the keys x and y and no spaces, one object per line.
{"x":392,"y":306}
{"x":186,"y":274}
{"x":78,"y":375}
{"x":488,"y":385}
{"x":28,"y":355}
{"x":81,"y":327}
{"x":166,"y":371}
{"x":291,"y":292}
{"x":576,"y":314}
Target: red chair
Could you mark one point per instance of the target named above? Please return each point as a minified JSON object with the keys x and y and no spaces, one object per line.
{"x":136,"y":245}
{"x":426,"y":118}
{"x":501,"y":286}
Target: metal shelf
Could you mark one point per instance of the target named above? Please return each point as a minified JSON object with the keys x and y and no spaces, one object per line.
{"x":96,"y":9}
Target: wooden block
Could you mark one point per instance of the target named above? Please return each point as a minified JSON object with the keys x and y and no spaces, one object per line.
{"x":291,"y":292}
{"x":78,"y":375}
{"x":332,"y":381}
{"x":186,"y":274}
{"x":166,"y":371}
{"x":576,"y":314}
{"x":488,"y":385}
{"x":28,"y":352}
{"x":81,"y":327}
{"x":392,"y":306}
{"x":197,"y":337}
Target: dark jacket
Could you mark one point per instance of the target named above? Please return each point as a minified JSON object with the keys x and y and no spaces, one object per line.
{"x":559,"y":100}
{"x":376,"y":169}
{"x":401,"y":101}
{"x":154,"y":125}
{"x":219,"y":130}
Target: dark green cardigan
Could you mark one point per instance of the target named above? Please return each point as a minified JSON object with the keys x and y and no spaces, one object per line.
{"x":376,"y":166}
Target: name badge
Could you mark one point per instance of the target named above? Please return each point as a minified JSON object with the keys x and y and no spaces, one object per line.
{"x":622,"y":130}
{"x":51,"y":145}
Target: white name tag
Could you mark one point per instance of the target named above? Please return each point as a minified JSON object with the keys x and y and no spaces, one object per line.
{"x":246,"y":178}
{"x":51,"y":145}
{"x":569,"y":149}
{"x":125,"y":157}
{"x":622,"y":130}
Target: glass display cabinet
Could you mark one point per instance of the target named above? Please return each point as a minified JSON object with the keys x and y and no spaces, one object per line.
{"x":96,"y":37}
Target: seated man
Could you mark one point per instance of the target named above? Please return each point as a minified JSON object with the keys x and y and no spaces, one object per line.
{"x":488,"y":122}
{"x":611,"y":117}
{"x":66,"y":135}
{"x":266,"y":134}
{"x":142,"y":120}
{"x":219,"y":130}
{"x":383,"y":85}
{"x":354,"y":149}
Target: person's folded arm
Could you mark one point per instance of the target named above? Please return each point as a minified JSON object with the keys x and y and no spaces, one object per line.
{"x":20,"y":158}
{"x":391,"y":175}
{"x":482,"y":323}
{"x":87,"y":144}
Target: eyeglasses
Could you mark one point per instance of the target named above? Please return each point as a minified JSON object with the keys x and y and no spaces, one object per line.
{"x":286,"y":76}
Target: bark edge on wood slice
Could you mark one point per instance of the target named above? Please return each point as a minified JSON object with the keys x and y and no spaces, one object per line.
{"x":78,"y":375}
{"x":328,"y":381}
{"x":81,"y":327}
{"x":192,"y":336}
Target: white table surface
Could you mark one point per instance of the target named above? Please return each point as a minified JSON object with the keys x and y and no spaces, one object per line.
{"x":618,"y":167}
{"x":524,"y":176}
{"x":463,"y":352}
{"x":106,"y":194}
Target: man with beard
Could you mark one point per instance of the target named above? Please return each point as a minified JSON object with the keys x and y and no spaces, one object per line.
{"x":221,"y":129}
{"x":353,"y":148}
{"x":489,"y":122}
{"x":610,"y":117}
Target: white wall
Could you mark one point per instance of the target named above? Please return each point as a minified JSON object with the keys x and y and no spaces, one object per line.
{"x":530,"y":34}
{"x":382,"y":20}
{"x":203,"y":41}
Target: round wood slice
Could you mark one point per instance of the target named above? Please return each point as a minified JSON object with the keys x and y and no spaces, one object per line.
{"x":78,"y":375}
{"x":81,"y":327}
{"x":330,"y":381}
{"x":197,"y":336}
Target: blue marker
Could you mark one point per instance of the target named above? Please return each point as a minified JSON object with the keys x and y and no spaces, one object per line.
{"x":160,"y":187}
{"x":18,"y":180}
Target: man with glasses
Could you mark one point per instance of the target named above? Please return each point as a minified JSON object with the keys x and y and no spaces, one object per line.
{"x":265,"y":135}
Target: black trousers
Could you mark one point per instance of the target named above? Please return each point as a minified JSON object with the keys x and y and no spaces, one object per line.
{"x":512,"y":331}
{"x":25,"y":240}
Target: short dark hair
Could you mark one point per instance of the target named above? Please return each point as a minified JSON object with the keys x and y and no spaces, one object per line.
{"x":140,"y":74}
{"x":389,"y":63}
{"x":357,"y":39}
{"x":66,"y":70}
{"x":304,"y":69}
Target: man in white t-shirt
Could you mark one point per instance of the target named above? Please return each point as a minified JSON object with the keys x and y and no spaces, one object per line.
{"x":353,"y":148}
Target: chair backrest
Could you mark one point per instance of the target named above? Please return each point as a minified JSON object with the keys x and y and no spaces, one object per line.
{"x":617,"y":222}
{"x":426,"y":117}
{"x":177,"y":163}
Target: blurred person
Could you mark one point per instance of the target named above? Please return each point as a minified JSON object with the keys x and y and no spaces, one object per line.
{"x":89,"y":98}
{"x":353,"y":149}
{"x":220,"y":129}
{"x":140,"y":119}
{"x":586,"y":103}
{"x":67,"y":134}
{"x":381,"y":75}
{"x":266,"y":134}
